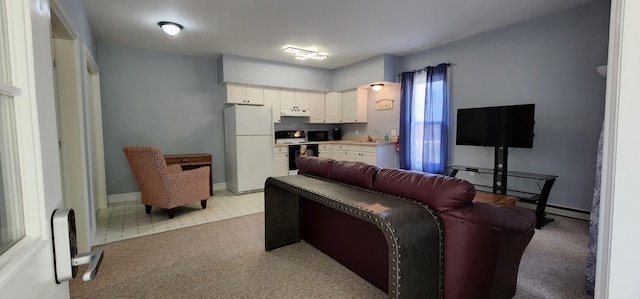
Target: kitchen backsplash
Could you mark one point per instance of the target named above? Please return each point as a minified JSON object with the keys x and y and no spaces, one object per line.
{"x":297,"y":123}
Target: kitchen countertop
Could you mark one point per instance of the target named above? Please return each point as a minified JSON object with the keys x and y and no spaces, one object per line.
{"x":350,"y":142}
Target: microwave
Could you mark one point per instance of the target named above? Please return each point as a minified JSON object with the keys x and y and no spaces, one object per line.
{"x":318,"y":135}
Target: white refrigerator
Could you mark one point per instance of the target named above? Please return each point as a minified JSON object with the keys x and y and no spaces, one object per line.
{"x":248,"y":136}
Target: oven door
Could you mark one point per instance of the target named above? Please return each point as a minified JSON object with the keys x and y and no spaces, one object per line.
{"x":297,"y":150}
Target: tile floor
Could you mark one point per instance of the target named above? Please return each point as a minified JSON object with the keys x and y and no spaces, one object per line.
{"x":128,"y":220}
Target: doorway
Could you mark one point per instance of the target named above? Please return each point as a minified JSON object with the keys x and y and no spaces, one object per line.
{"x":78,"y":119}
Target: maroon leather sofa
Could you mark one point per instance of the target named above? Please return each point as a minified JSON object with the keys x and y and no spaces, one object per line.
{"x":481,"y":244}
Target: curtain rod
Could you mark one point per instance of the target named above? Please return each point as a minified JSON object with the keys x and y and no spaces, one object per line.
{"x":424,"y":68}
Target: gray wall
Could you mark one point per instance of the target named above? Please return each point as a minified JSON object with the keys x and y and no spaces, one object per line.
{"x":550,"y":61}
{"x":74,"y":9}
{"x":167,"y":100}
{"x":247,"y":70}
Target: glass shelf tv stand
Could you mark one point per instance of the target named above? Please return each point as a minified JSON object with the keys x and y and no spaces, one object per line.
{"x":539,"y":197}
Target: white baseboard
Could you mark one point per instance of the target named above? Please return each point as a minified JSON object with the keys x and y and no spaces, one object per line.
{"x":136,"y":196}
{"x":123,"y":197}
{"x":558,"y":210}
{"x":220,"y":186}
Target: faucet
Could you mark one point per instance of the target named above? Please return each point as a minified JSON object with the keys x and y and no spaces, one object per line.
{"x":377,"y":140}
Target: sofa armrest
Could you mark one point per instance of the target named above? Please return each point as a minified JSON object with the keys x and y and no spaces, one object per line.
{"x":506,"y":220}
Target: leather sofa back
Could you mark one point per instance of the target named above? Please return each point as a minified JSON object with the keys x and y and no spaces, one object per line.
{"x":315,"y":166}
{"x":437,"y":191}
{"x":354,"y":173}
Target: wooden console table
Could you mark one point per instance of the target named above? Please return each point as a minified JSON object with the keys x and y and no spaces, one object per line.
{"x":192,"y":161}
{"x":495,"y":199}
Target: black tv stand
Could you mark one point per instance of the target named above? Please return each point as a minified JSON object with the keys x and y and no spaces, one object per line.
{"x":500,"y":170}
{"x":500,"y":175}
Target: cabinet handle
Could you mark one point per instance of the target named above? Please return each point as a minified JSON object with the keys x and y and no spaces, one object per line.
{"x":184,"y":160}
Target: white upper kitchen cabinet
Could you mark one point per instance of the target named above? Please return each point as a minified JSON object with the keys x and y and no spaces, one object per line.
{"x":255,"y":95}
{"x":272,"y":99}
{"x":243,"y":94}
{"x":333,"y":107}
{"x":354,"y":106}
{"x":316,"y":107}
{"x":302,"y":99}
{"x":287,"y":99}
{"x":294,"y":99}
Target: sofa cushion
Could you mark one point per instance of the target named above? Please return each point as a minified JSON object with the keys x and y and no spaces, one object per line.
{"x":354,"y":173}
{"x":315,"y":166}
{"x":437,"y":191}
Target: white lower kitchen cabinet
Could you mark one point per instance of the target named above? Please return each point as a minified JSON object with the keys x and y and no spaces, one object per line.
{"x":382,"y":155}
{"x":281,"y":160}
{"x":324,"y":150}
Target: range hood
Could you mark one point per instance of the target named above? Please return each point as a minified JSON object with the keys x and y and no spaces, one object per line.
{"x":295,"y":112}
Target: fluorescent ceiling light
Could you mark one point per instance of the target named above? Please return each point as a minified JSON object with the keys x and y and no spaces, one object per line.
{"x":170,"y":28}
{"x":303,"y":54}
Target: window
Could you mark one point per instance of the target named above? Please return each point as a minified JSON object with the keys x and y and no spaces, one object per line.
{"x":428,"y":120}
{"x":12,"y":227}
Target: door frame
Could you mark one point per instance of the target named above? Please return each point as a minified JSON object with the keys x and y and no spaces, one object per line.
{"x":74,"y":151}
{"x":100,"y":196}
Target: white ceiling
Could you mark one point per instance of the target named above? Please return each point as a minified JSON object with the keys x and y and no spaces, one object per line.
{"x":347,"y":30}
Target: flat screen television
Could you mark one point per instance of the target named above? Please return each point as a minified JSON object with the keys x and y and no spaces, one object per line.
{"x":508,"y":126}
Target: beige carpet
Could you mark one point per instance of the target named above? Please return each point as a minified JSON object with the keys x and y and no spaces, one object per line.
{"x":554,"y":263}
{"x":223,"y":259}
{"x":226,"y":259}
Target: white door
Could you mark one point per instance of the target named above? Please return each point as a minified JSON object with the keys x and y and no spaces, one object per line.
{"x":31,"y":176}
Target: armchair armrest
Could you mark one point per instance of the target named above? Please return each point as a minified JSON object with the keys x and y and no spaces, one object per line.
{"x":186,"y":185}
{"x":174,"y":168}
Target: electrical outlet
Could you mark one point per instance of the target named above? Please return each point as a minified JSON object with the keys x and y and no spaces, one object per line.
{"x":394,"y":132}
{"x":356,"y":132}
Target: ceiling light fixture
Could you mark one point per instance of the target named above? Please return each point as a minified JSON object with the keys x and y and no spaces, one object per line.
{"x":170,"y":28}
{"x":303,"y":54}
{"x":377,"y":86}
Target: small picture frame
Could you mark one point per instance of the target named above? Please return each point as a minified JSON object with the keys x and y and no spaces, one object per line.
{"x":384,"y":104}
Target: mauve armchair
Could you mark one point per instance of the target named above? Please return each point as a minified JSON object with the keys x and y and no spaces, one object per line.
{"x":163,"y":186}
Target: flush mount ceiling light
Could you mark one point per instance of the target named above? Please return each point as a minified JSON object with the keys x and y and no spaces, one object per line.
{"x":170,"y":28}
{"x":302,"y":53}
{"x":377,"y":86}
